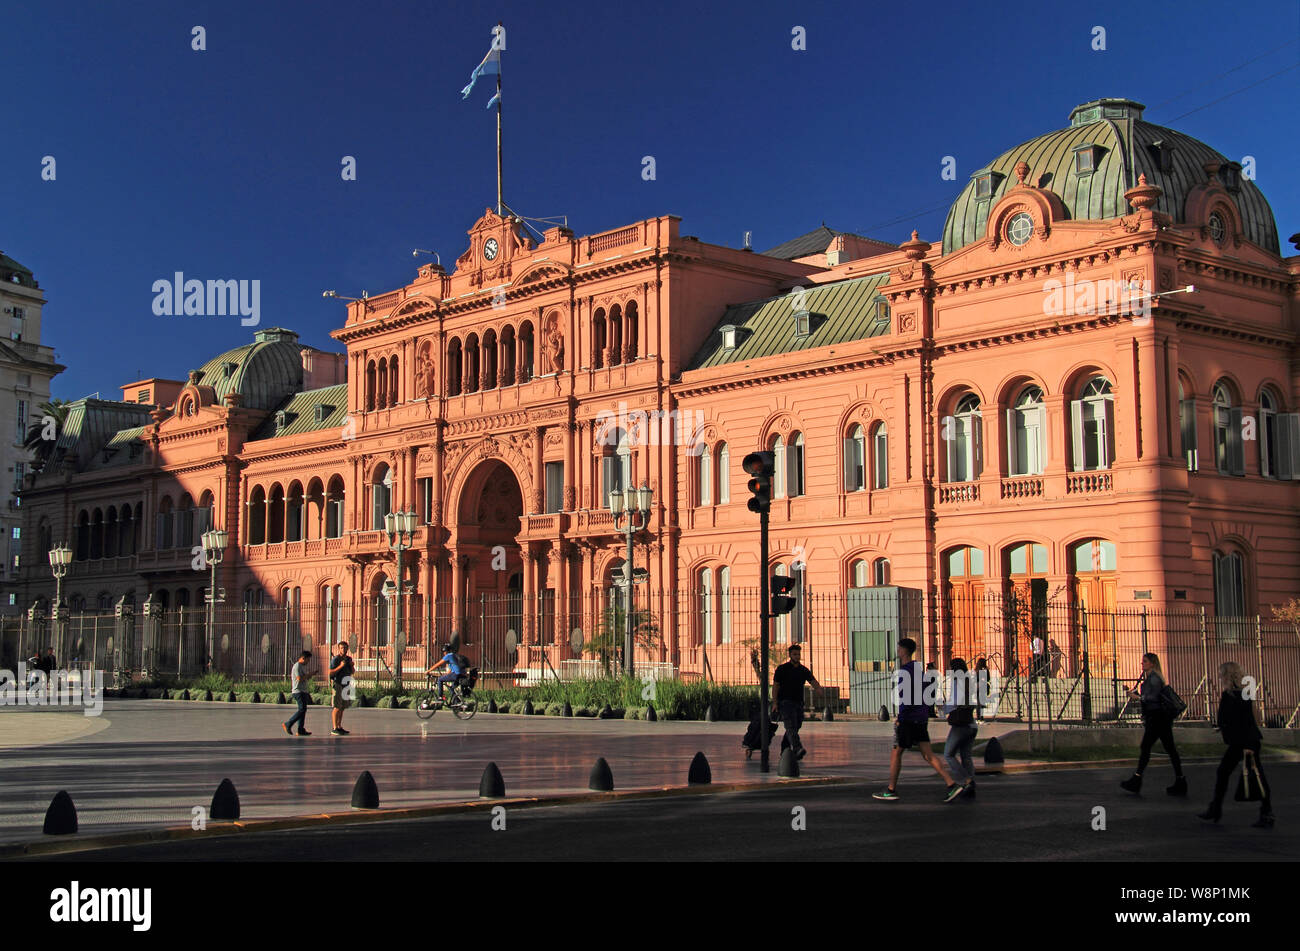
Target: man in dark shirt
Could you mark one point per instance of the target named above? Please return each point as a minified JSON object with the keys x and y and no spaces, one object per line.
{"x":911,"y":727}
{"x":789,"y":680}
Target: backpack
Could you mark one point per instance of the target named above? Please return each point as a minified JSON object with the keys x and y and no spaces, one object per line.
{"x":463,"y":663}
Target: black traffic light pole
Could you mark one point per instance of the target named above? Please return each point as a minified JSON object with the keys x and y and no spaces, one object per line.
{"x":760,"y":466}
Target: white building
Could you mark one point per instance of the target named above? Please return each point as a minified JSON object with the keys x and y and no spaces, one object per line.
{"x":26,"y":368}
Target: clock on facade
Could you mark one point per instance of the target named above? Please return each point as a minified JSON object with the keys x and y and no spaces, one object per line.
{"x":490,"y":249}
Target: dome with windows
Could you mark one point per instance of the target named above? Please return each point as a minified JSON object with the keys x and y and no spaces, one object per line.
{"x":1090,"y":164}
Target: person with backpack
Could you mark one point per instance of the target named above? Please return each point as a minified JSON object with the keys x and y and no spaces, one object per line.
{"x":455,"y":665}
{"x":1160,"y":707}
{"x":341,"y":671}
{"x":1240,"y":731}
{"x":960,"y":709}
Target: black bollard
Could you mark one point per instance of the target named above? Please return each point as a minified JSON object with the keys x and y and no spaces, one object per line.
{"x":650,"y":713}
{"x":61,"y":817}
{"x":568,"y":709}
{"x":602,"y":777}
{"x":493,"y":784}
{"x":365,"y":794}
{"x":993,"y":752}
{"x":492,"y":706}
{"x":528,"y":708}
{"x":606,"y":712}
{"x":710,"y":715}
{"x":699,"y":774}
{"x":828,"y":715}
{"x":884,"y":714}
{"x":789,"y":765}
{"x":225,"y":802}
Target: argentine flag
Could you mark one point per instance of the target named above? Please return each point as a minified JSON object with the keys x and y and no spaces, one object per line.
{"x":491,"y":64}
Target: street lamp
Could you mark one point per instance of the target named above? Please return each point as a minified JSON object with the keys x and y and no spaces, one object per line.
{"x":214,"y":550}
{"x":630,"y":502}
{"x":400,"y":528}
{"x":60,"y":558}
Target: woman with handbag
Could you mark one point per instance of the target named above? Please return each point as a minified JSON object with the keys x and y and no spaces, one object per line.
{"x":1240,"y":731}
{"x":1160,"y":707}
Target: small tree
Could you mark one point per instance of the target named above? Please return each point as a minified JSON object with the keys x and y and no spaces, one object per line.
{"x":607,"y":641}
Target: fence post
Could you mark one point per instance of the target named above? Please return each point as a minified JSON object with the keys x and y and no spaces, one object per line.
{"x":1086,"y":703}
{"x":1205,"y":662}
{"x":1145,"y":648}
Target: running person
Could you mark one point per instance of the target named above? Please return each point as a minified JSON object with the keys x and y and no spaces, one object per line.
{"x":911,"y":727}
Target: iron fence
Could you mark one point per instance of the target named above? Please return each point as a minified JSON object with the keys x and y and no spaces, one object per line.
{"x":1046,"y":657}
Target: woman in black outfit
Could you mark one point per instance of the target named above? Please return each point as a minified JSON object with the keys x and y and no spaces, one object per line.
{"x":1239,"y":730}
{"x":1158,"y":724}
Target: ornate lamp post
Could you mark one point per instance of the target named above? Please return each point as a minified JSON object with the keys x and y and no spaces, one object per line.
{"x":60,"y":559}
{"x":631,"y":503}
{"x":400,"y":528}
{"x":214,"y":550}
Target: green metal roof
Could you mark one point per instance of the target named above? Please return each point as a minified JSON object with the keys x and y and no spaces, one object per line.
{"x":263,"y":373}
{"x":11,"y":272}
{"x":300,"y":412}
{"x":94,"y":427}
{"x":1120,"y":157}
{"x":846,"y":310}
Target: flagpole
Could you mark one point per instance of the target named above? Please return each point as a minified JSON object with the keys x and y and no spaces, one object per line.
{"x":500,"y":202}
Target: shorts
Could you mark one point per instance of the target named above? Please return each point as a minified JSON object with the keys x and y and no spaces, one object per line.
{"x":339,"y":702}
{"x":910,"y":733}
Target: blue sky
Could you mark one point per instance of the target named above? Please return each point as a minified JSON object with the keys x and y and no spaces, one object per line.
{"x":226,"y":163}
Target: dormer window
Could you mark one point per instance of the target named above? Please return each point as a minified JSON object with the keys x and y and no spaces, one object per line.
{"x":802,"y":323}
{"x":1230,"y":175}
{"x":983,"y":185}
{"x":281,"y":421}
{"x":1085,"y":159}
{"x":323,"y":412}
{"x":229,"y":368}
{"x":1164,"y":152}
{"x":729,"y":336}
{"x":882,"y":307}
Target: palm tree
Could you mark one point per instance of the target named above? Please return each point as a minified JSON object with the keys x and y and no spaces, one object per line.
{"x":43,"y":435}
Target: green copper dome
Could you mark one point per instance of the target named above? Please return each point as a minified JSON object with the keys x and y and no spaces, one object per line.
{"x":1090,"y":165}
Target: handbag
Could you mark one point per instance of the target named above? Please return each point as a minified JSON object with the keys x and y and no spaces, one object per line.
{"x":1249,"y":787}
{"x":1170,"y":702}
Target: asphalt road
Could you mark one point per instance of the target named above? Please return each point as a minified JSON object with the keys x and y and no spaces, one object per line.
{"x":1040,"y":817}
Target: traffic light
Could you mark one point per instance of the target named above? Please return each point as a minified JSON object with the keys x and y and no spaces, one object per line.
{"x":782,"y":601}
{"x":760,"y":466}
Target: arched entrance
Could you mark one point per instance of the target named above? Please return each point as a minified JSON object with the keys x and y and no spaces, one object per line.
{"x":490,"y":588}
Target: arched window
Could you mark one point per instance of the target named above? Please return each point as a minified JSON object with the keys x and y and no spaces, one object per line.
{"x":704,"y":475}
{"x":110,"y":532}
{"x":615,"y":335}
{"x":880,"y":572}
{"x":880,"y":457}
{"x":257,"y":516}
{"x":1229,"y":585}
{"x":707,"y":605}
{"x":598,"y":339}
{"x":185,"y":518}
{"x":615,"y":464}
{"x":455,"y":368}
{"x":1026,"y":436}
{"x":724,"y":474}
{"x":724,"y":604}
{"x":526,"y":354}
{"x":779,"y":472}
{"x":1279,"y":438}
{"x":381,"y":496}
{"x":1187,"y":435}
{"x":489,"y":359}
{"x":381,"y":390}
{"x":855,"y":460}
{"x":83,"y":536}
{"x":393,"y":378}
{"x":471,"y":381}
{"x":961,"y":435}
{"x":1093,"y":430}
{"x":1229,"y":453}
{"x":294,"y":513}
{"x":370,"y":386}
{"x":794,"y":462}
{"x":275,"y":515}
{"x":631,"y":335}
{"x":165,"y":533}
{"x":858,"y":574}
{"x":334,"y":508}
{"x":507,"y":375}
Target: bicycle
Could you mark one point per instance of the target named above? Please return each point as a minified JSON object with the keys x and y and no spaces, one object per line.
{"x":458,"y":697}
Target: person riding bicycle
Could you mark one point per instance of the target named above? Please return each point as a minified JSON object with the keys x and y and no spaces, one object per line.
{"x":455,"y":668}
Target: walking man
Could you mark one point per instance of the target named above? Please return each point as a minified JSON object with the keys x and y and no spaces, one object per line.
{"x":789,"y":679}
{"x":911,"y":728}
{"x":341,"y":681}
{"x":301,"y":691}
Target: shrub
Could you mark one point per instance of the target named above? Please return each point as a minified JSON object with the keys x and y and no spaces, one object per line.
{"x":554,"y":709}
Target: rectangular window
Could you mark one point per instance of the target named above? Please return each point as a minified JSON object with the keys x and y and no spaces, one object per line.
{"x":554,"y":487}
{"x":22,"y":420}
{"x":1026,"y":442}
{"x":794,"y":454}
{"x":704,"y":476}
{"x":961,"y":435}
{"x":724,"y":475}
{"x":854,"y":464}
{"x":880,"y":457}
{"x":424,"y":500}
{"x":1288,"y":446}
{"x":142,"y":396}
{"x":1092,"y":429}
{"x":18,"y":533}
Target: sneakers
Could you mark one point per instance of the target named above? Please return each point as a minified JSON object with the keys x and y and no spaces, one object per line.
{"x":1212,"y":813}
{"x":955,"y":790}
{"x":287,"y":731}
{"x":337,"y":733}
{"x":1179,"y":788}
{"x":303,"y":733}
{"x":1133,"y":784}
{"x":886,"y":795}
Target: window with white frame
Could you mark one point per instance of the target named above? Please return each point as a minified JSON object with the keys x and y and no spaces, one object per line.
{"x":724,"y":474}
{"x":724,"y":604}
{"x":554,"y":487}
{"x":706,"y":605}
{"x":704,"y":475}
{"x":858,"y":574}
{"x":961,"y":435}
{"x":1187,"y":435}
{"x":1093,"y":426}
{"x":880,"y":572}
{"x":880,"y":458}
{"x":1026,"y":434}
{"x":1229,"y":585}
{"x":855,"y":460}
{"x":794,"y":462}
{"x":778,"y":468}
{"x":616,"y":466}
